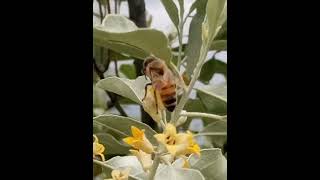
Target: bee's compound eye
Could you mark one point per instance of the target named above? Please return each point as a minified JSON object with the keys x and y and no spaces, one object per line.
{"x":148,"y":60}
{"x":161,"y":72}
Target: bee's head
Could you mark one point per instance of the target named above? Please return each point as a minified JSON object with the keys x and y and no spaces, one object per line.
{"x":147,"y":61}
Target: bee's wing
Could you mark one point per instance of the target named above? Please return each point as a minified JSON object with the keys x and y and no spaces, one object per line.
{"x":178,"y":82}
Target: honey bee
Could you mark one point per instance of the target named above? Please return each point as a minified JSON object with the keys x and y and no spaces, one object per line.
{"x":162,"y":80}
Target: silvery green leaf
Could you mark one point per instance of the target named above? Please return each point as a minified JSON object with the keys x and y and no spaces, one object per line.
{"x":126,"y":162}
{"x":216,"y":14}
{"x":132,"y":89}
{"x":172,"y":11}
{"x":171,"y":173}
{"x":212,"y":164}
{"x":214,"y":103}
{"x":216,"y":132}
{"x":112,"y":144}
{"x":120,"y":34}
{"x":122,"y":126}
{"x":195,"y":31}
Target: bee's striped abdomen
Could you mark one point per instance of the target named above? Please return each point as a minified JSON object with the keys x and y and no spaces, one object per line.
{"x":168,"y":97}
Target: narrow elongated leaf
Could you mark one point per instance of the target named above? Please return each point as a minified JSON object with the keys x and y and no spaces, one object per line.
{"x":172,"y":11}
{"x":121,"y":35}
{"x":216,"y":14}
{"x":212,"y":164}
{"x":122,"y":126}
{"x":194,"y":5}
{"x":222,"y":34}
{"x":195,"y":41}
{"x":181,"y":9}
{"x":131,"y":89}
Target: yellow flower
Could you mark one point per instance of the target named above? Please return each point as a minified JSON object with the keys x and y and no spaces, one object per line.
{"x":120,"y":175}
{"x":98,"y":148}
{"x":193,"y":146}
{"x":177,"y":144}
{"x":149,"y":104}
{"x":144,"y":159}
{"x":139,"y":140}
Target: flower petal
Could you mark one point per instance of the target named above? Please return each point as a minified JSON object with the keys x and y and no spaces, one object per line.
{"x":183,"y":138}
{"x":170,"y":130}
{"x":194,"y":149}
{"x":129,"y":140}
{"x":137,"y":133}
{"x":172,"y":149}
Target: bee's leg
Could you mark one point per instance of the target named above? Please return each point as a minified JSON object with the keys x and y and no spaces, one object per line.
{"x":145,"y":90}
{"x":156,"y":99}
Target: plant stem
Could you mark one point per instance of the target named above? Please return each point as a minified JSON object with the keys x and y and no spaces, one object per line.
{"x":154,"y":167}
{"x":164,"y":116}
{"x":115,"y":6}
{"x":120,"y":109}
{"x":196,"y":73}
{"x":180,"y":34}
{"x":100,"y":11}
{"x":116,"y":67}
{"x":183,"y":60}
{"x":108,"y":7}
{"x":199,"y":114}
{"x":180,"y":50}
{"x":163,"y":126}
